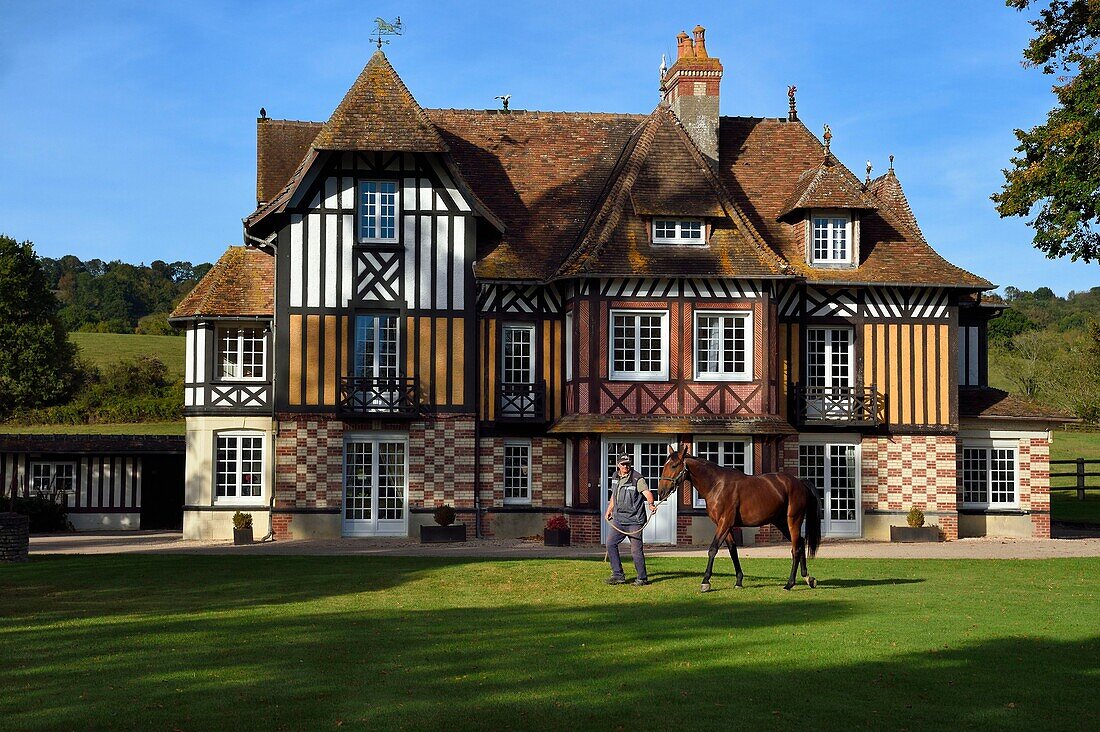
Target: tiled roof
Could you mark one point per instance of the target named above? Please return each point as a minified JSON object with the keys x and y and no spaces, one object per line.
{"x":761,"y":161}
{"x":887,"y":188}
{"x":664,"y":169}
{"x":280,"y":146}
{"x":379,"y":113}
{"x":241,"y":283}
{"x":989,"y":403}
{"x":603,"y":423}
{"x":829,"y":185}
{"x":541,"y":173}
{"x":98,"y":444}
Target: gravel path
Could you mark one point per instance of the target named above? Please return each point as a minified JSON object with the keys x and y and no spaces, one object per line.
{"x":173,"y":543}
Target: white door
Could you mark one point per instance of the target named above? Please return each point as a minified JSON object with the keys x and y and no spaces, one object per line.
{"x":375,"y":485}
{"x":649,"y":455}
{"x":828,"y":372}
{"x":833,"y":469}
{"x":517,"y":370}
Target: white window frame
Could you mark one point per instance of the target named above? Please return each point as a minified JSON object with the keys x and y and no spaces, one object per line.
{"x":849,"y":237}
{"x":238,"y":499}
{"x":375,"y":526}
{"x":988,"y":446}
{"x":747,"y":373}
{"x":569,"y":481}
{"x":53,"y":465}
{"x":698,"y":502}
{"x":521,"y":499}
{"x":568,"y":345}
{"x":360,"y":212}
{"x":659,"y":375}
{"x":678,"y":239}
{"x":840,"y":439}
{"x":219,"y":352}
{"x":376,"y":368}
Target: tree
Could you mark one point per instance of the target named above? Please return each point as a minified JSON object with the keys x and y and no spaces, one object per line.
{"x":1058,"y":165}
{"x":37,"y":361}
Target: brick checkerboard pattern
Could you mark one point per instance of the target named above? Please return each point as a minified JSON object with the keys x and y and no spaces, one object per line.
{"x":547,"y":476}
{"x":912,"y":470}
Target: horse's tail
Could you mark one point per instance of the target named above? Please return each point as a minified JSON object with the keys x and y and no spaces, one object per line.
{"x":813,"y":520}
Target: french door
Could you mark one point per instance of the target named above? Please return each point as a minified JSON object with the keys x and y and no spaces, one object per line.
{"x":828,"y":372}
{"x":833,"y":469}
{"x":375,"y":485}
{"x":517,"y":369}
{"x":648,"y":455}
{"x":376,"y":359}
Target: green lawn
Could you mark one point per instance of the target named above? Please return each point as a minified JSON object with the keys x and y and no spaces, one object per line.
{"x":133,"y":428}
{"x":1064,"y":505}
{"x":215,"y":642}
{"x":101,"y":349}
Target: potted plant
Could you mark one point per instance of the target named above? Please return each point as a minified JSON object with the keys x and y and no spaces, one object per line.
{"x":445,"y":529}
{"x":916,"y":530}
{"x":242,"y":528}
{"x":557,"y":531}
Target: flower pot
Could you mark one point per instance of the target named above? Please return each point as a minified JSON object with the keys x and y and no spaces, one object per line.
{"x":432,"y":534}
{"x":910,"y":534}
{"x":242,"y":536}
{"x":556,"y":537}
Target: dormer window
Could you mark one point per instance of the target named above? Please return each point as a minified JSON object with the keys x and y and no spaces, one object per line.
{"x":678,"y":231}
{"x":378,"y":211}
{"x":831,"y":238}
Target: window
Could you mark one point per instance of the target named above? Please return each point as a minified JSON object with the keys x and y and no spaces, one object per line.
{"x":723,"y":346}
{"x":378,"y":211}
{"x":518,"y":354}
{"x":829,"y":357}
{"x":969,"y":373}
{"x":517,"y":471}
{"x":374,"y":484}
{"x":638,"y":345}
{"x":727,"y":453}
{"x":239,"y":470}
{"x":376,"y":345}
{"x":569,"y":482}
{"x":569,"y":345}
{"x":989,"y":477}
{"x":50,"y":478}
{"x":678,"y":231}
{"x":241,"y":353}
{"x":832,"y":468}
{"x":831,"y":239}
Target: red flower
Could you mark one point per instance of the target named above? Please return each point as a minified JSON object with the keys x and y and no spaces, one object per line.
{"x":557,"y":523}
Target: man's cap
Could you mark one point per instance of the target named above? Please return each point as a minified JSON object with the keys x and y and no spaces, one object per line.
{"x":626,"y":459}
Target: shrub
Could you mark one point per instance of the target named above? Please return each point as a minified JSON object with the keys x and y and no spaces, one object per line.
{"x":556,"y":523}
{"x":45,"y":514}
{"x":915,"y":518}
{"x":444,"y":515}
{"x":242,"y":520}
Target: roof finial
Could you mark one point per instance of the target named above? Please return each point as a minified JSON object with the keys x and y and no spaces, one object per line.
{"x":828,"y":137}
{"x":504,"y":100}
{"x":792,"y":114}
{"x":868,"y":181}
{"x":382,"y":28}
{"x":891,"y":163}
{"x":662,"y":72}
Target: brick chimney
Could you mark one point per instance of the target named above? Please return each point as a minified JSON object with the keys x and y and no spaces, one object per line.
{"x":690,"y":88}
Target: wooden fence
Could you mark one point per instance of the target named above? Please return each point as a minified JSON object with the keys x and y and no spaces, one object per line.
{"x":1079,"y":472}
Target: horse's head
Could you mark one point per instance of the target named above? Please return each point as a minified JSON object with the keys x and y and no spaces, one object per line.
{"x":674,"y":471}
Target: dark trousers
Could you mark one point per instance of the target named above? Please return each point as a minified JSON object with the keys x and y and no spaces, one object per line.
{"x":614,"y":538}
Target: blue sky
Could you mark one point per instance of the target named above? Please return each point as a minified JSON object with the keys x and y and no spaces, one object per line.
{"x":128,"y":129}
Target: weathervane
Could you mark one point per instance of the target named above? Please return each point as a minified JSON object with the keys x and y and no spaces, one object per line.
{"x":382,"y":28}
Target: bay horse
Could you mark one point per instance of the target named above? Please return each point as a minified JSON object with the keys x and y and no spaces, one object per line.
{"x":735,"y":499}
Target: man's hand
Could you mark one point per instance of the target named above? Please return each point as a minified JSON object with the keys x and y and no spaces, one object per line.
{"x":607,"y":516}
{"x":652,"y":507}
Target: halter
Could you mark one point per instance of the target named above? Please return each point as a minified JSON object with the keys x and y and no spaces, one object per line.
{"x":676,"y":481}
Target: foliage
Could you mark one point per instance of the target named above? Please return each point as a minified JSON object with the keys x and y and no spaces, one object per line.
{"x":915,"y":517}
{"x":557,"y":523}
{"x":1057,"y":168}
{"x":242,"y":520}
{"x":116,"y":297}
{"x":45,"y":513}
{"x":444,"y":515}
{"x":37,"y":362}
{"x":104,"y":349}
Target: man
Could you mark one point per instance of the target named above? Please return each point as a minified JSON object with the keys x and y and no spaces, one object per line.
{"x":626,"y":511}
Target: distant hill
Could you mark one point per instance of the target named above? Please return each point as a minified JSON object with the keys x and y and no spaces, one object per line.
{"x":104,"y":349}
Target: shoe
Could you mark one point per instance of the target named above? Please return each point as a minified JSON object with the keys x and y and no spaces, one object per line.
{"x":640,"y":582}
{"x":616,"y":580}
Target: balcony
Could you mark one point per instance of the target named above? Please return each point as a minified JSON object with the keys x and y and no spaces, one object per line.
{"x":839,"y":406}
{"x":384,"y":396}
{"x":522,"y":402}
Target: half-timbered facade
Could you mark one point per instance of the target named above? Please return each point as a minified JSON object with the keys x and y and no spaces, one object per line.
{"x":485,"y":307}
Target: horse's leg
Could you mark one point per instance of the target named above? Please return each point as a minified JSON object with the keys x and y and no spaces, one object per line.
{"x":711,"y":553}
{"x":805,"y":571}
{"x":793,"y":537}
{"x":733,"y":555}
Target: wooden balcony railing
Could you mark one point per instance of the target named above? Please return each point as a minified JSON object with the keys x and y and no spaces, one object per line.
{"x":379,"y":395}
{"x":521,"y":402}
{"x":855,"y":406}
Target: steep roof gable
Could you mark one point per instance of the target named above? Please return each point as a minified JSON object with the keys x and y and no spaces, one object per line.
{"x":241,"y":283}
{"x":887,"y":189}
{"x":379,"y":113}
{"x":828,"y":185}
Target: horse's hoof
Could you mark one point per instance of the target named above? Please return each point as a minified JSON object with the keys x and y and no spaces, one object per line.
{"x":738,"y":586}
{"x":788,"y":587}
{"x":811,"y":582}
{"x":705,"y":587}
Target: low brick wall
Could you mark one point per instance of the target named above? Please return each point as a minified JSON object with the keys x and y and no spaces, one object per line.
{"x":15,"y":537}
